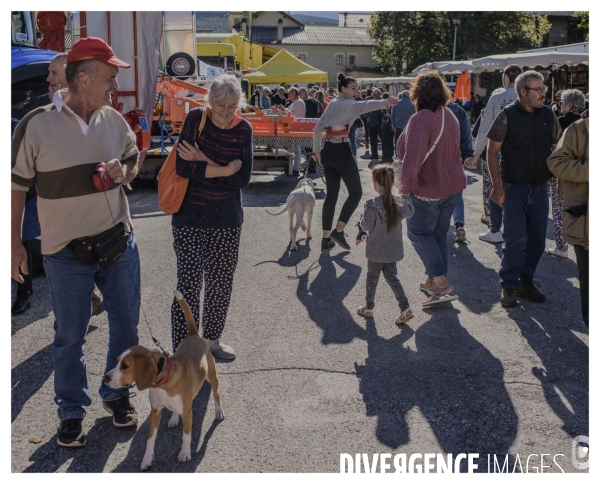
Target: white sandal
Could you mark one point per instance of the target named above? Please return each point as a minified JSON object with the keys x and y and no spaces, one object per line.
{"x":363,"y":311}
{"x":405,"y":316}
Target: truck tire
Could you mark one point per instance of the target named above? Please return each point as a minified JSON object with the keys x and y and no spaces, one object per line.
{"x":180,"y":65}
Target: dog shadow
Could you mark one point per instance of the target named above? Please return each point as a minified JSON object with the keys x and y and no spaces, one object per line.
{"x":168,"y":441}
{"x":454,"y":381}
{"x":324,"y":298}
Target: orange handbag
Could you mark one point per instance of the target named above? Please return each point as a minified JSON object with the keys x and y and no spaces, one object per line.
{"x":171,"y":186}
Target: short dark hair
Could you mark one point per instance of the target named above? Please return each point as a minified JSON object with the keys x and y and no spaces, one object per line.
{"x":429,"y":91}
{"x":72,"y":70}
{"x":512,"y":71}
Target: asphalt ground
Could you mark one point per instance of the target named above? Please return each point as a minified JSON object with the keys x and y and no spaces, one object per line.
{"x":312,"y":379}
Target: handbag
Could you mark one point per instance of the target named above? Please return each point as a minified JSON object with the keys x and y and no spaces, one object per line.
{"x":101,"y":250}
{"x":171,"y":186}
{"x":397,"y":162}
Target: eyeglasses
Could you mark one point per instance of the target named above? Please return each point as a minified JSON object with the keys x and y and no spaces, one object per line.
{"x":539,"y":90}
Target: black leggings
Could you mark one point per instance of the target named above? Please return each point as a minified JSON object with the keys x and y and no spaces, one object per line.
{"x":339,"y":164}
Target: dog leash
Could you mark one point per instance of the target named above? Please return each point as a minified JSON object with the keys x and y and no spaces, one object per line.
{"x":103,"y":189}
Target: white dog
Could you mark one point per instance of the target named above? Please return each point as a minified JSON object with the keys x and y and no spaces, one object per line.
{"x":301,"y":200}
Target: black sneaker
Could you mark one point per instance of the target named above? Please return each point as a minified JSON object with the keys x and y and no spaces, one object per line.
{"x":124,"y":415}
{"x":339,"y":238}
{"x":528,"y":290}
{"x":70,"y":433}
{"x":327,"y":244}
{"x":20,"y":306}
{"x":508,"y":298}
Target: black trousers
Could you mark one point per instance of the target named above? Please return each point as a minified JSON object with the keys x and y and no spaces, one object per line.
{"x":583,"y":264}
{"x":387,"y":143}
{"x":374,"y":133}
{"x":204,"y":257}
{"x":396,"y":136}
{"x":339,"y":164}
{"x":33,"y":248}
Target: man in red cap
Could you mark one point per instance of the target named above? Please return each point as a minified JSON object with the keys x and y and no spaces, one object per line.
{"x":60,"y":150}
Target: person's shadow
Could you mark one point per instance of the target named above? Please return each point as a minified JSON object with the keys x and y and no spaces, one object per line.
{"x":454,"y":380}
{"x":564,"y":370}
{"x":324,"y":298}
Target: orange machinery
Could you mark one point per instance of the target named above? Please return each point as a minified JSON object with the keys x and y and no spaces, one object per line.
{"x":175,"y":102}
{"x":274,"y":135}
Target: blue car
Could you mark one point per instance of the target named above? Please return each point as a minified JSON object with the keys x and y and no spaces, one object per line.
{"x":29,"y":69}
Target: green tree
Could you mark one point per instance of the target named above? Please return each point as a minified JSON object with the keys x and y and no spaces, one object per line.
{"x":404,"y":40}
{"x":584,"y":23}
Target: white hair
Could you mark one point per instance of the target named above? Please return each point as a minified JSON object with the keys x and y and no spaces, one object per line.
{"x":224,"y":89}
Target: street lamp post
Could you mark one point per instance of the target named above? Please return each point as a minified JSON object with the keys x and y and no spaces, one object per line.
{"x":456,"y":22}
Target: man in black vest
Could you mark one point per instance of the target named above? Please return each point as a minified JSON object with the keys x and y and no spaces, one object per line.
{"x":313,"y":108}
{"x":525,"y":132}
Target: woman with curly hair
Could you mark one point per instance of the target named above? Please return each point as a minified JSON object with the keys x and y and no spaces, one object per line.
{"x":433,"y":175}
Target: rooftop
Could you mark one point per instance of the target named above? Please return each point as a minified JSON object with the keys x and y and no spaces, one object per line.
{"x":313,"y":35}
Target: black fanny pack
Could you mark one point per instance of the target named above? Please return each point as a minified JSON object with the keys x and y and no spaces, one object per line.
{"x":103,"y":249}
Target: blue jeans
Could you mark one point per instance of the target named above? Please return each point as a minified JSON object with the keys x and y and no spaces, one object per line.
{"x":495,"y":216}
{"x":71,"y":285}
{"x":352,"y":138}
{"x":459,"y":211}
{"x":525,"y":221}
{"x":427,"y":230}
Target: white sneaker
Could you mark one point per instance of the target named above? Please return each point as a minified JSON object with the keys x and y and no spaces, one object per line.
{"x":558,"y":253}
{"x":492,"y":237}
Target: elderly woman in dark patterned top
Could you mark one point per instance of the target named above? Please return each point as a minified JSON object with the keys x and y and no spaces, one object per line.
{"x":207,"y":227}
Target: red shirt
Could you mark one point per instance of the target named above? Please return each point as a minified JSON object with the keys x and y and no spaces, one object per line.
{"x":442,"y":174}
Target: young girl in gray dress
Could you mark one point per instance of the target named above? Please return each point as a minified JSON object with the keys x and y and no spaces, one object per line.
{"x":382,"y":219}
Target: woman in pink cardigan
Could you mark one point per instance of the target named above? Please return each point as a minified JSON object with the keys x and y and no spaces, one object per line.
{"x":433,"y":175}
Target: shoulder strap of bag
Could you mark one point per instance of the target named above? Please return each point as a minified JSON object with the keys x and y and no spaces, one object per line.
{"x":439,"y":136}
{"x":202,"y":121}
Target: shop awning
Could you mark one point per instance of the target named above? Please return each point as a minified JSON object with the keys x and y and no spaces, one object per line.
{"x":284,"y":67}
{"x":530,"y":59}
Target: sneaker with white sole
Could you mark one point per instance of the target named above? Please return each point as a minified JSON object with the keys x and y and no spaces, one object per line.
{"x":70,"y":433}
{"x":492,"y":237}
{"x":221,"y":350}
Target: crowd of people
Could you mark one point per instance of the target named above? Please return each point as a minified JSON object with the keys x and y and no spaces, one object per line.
{"x":426,"y":144}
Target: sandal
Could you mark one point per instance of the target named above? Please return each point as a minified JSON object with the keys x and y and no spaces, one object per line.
{"x":405,"y":316}
{"x":438,"y":299}
{"x":485,"y":220}
{"x":363,"y":311}
{"x":423,"y":288}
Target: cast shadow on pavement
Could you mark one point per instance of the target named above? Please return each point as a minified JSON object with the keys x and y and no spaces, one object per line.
{"x":564,"y":371}
{"x":103,"y":439}
{"x":29,"y":376}
{"x":477,"y":286}
{"x":324,"y":298}
{"x":456,"y":383}
{"x":168,"y":441}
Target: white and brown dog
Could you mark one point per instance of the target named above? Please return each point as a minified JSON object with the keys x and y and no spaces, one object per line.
{"x":299,"y":202}
{"x":174,"y":381}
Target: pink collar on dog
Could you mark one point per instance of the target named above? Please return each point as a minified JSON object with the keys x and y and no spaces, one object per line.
{"x":166,"y":377}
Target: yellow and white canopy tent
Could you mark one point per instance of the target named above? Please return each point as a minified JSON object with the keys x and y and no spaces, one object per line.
{"x":286,"y":68}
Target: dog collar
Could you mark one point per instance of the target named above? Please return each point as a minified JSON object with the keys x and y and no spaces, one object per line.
{"x":164,"y":379}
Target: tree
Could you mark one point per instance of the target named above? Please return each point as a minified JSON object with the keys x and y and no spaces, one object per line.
{"x":584,"y":23}
{"x":404,"y":40}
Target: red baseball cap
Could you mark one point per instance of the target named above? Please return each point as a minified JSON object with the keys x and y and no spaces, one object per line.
{"x":95,"y":48}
